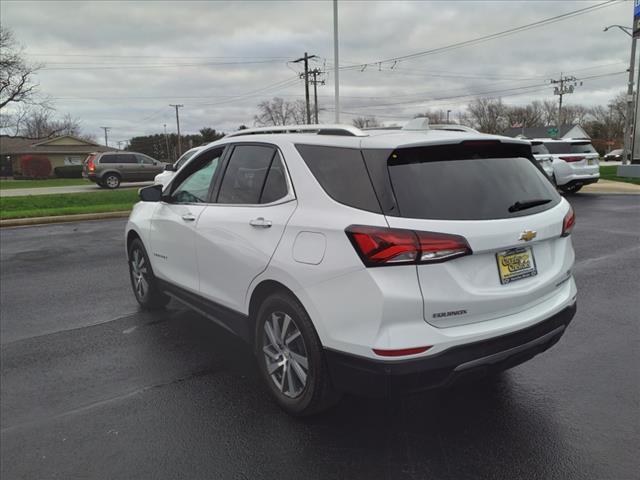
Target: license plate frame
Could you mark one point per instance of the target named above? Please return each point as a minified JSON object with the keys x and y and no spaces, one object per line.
{"x":505,"y":274}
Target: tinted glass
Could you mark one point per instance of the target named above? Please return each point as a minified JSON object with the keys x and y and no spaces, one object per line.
{"x":582,"y":148}
{"x":245,"y":174}
{"x":539,"y":149}
{"x":126,"y":158}
{"x":109,"y":159}
{"x":181,"y":161}
{"x":342,"y":174}
{"x":275,"y":186}
{"x":195,"y":187}
{"x":558,"y":147}
{"x":467,"y":189}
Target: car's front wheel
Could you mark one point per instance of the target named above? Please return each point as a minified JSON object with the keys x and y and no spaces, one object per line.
{"x":290,"y":357}
{"x":144,"y":283}
{"x":575,"y":188}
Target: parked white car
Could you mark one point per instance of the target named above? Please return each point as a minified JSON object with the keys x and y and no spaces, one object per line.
{"x":543,"y":157}
{"x":165,"y":177}
{"x":373,"y":263}
{"x":575,"y":163}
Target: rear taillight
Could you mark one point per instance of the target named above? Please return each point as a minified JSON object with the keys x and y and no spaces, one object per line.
{"x":572,"y":159}
{"x":568,"y":222}
{"x":380,"y":246}
{"x":90,"y":165}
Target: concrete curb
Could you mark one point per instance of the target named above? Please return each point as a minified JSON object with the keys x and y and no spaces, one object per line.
{"x":21,"y":222}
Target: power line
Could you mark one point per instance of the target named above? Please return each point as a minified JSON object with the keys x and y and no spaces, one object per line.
{"x":484,"y":38}
{"x":169,"y":65}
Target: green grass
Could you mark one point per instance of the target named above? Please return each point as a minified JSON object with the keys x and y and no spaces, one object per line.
{"x":608,"y":172}
{"x":50,"y":182}
{"x":67,"y":203}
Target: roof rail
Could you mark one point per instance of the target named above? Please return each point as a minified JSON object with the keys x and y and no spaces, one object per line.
{"x":329,"y":129}
{"x":453,"y":127}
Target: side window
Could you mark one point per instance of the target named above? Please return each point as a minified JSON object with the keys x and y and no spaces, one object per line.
{"x":194,"y":188}
{"x":126,"y":158}
{"x":342,"y":174}
{"x":144,"y":160}
{"x":109,"y":159}
{"x":245,"y":174}
{"x":275,"y":186}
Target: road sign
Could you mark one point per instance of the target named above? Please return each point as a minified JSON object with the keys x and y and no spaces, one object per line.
{"x":636,"y":18}
{"x":553,"y":131}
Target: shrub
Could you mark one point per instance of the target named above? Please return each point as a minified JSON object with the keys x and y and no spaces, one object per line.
{"x":68,"y":171}
{"x":35,"y":166}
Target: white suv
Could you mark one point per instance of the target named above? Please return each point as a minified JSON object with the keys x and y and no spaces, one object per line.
{"x":575,"y":163}
{"x":374,"y":263}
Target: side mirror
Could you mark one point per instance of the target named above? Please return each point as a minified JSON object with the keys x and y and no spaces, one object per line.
{"x":170,"y":167}
{"x":152,"y":193}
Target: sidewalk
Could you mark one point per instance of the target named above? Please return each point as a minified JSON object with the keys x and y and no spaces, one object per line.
{"x":21,"y":192}
{"x":609,"y":186}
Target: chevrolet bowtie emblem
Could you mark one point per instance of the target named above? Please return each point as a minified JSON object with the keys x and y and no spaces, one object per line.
{"x":527,"y":235}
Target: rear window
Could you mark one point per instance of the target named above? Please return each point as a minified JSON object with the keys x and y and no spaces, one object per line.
{"x":566,"y":147}
{"x":447,"y":183}
{"x":342,"y":174}
{"x":539,"y":149}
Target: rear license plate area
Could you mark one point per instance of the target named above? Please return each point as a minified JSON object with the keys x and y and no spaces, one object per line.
{"x":516,"y":264}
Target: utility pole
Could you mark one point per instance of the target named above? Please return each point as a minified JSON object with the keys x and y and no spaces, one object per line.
{"x":566,"y":85}
{"x":448,"y":113}
{"x":336,"y":63}
{"x":166,"y":142}
{"x":315,"y":72}
{"x":119,"y":144}
{"x":305,"y":75}
{"x":106,"y":137}
{"x":628,"y":124}
{"x":178,"y":125}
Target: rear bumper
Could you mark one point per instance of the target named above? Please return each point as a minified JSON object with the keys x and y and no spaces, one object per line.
{"x":90,"y":176}
{"x":372,"y":378}
{"x":581,"y":181}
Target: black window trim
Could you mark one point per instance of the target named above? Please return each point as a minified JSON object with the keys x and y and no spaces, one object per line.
{"x":185,"y":172}
{"x":290,"y":196}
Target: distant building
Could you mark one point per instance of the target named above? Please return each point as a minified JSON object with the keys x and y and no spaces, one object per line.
{"x":566,"y":131}
{"x":61,"y":151}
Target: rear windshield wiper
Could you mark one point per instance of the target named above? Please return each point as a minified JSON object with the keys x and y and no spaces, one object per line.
{"x":516,"y":207}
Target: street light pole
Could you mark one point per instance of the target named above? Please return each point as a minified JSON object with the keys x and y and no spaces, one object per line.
{"x":336,"y":63}
{"x":628,"y":124}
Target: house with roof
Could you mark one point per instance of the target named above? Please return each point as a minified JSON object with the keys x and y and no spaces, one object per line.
{"x":65,"y":150}
{"x":566,"y":131}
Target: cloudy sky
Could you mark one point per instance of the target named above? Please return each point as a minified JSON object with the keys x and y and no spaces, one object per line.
{"x":120,"y":64}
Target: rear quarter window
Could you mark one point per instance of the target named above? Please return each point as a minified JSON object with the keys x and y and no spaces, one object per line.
{"x":342,"y":174}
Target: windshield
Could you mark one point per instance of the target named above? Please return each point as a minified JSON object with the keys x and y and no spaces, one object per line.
{"x":186,"y":156}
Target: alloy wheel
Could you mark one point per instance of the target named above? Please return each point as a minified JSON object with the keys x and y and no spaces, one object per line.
{"x":139,"y":273}
{"x":112,"y":181}
{"x":285,"y":354}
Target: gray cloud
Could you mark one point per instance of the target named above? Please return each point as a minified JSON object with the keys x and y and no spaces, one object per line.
{"x":134,"y":100}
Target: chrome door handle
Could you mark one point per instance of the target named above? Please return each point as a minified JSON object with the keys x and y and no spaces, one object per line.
{"x":260,"y":223}
{"x":187,"y":217}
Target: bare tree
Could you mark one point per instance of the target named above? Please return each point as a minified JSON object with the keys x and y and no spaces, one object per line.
{"x":40,"y":122}
{"x":17,"y":83}
{"x":488,"y":114}
{"x":549,"y":112}
{"x":527,"y":116}
{"x":279,"y":112}
{"x":366,"y":122}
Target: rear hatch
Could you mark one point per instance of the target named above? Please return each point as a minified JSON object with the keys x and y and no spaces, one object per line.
{"x":489,"y":194}
{"x":577,"y":153}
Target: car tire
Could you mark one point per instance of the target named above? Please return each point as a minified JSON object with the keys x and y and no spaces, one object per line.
{"x":143,"y":281}
{"x":291,"y":358}
{"x":111,"y":181}
{"x":571,"y":188}
{"x":101,"y":184}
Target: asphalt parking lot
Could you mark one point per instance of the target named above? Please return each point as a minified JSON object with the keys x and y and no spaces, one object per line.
{"x":93,"y":388}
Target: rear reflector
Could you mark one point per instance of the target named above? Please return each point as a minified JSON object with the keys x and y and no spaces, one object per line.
{"x":381,"y":246}
{"x":572,"y":159}
{"x":568,"y":222}
{"x":400,"y":353}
